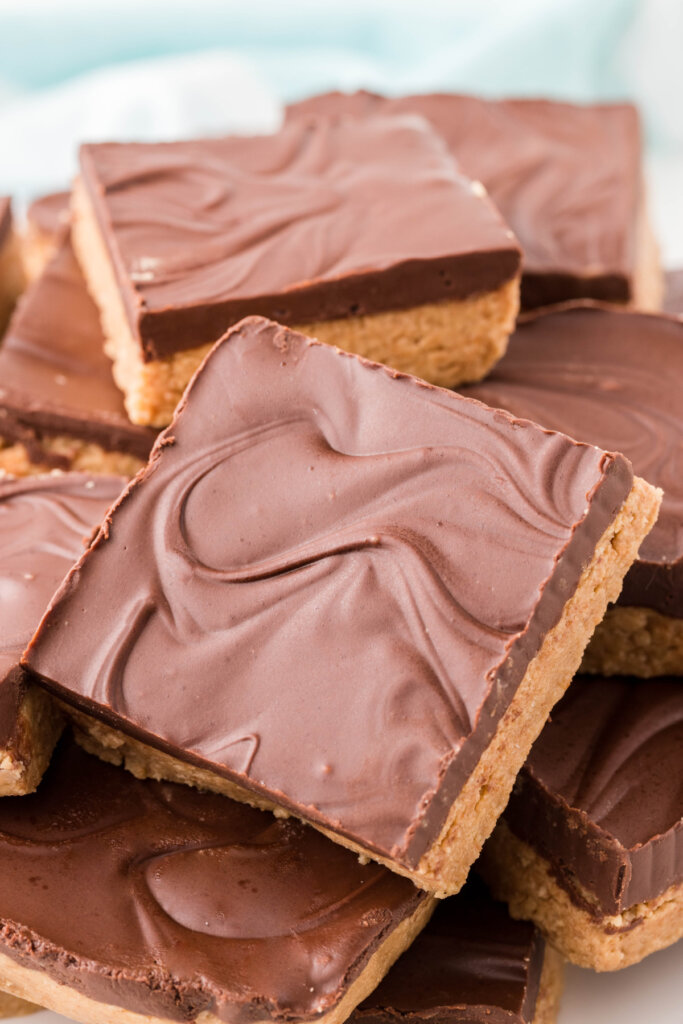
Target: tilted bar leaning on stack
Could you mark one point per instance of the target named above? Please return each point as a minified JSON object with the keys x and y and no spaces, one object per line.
{"x":398,"y":559}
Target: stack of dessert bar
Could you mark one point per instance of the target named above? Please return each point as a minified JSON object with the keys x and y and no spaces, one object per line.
{"x":304,"y":533}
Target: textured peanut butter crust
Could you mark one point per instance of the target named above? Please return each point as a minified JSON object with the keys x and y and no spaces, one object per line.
{"x":24,"y":760}
{"x":443,"y":869}
{"x":24,"y":983}
{"x":637,"y":642}
{"x":82,"y":456}
{"x":446,"y":343}
{"x":523,"y":878}
{"x":12,"y":278}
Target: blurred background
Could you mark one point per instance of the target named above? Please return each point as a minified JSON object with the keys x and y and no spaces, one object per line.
{"x":156,"y":69}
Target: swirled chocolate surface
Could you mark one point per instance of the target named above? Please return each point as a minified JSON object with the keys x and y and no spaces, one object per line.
{"x":54,"y":375}
{"x":472,"y":963}
{"x":601,"y":795}
{"x":170,"y":902}
{"x":45,"y":524}
{"x":317,"y":222}
{"x":49,"y":214}
{"x":566,"y":178}
{"x":615,"y":379}
{"x":328,"y":583}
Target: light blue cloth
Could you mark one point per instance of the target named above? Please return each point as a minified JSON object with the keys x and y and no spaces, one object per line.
{"x":558,"y":47}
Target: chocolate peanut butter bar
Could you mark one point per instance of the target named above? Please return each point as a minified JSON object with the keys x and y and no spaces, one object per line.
{"x":44,"y":525}
{"x":59,"y":406}
{"x":340,"y":592}
{"x":367,"y":233}
{"x":472,"y":964}
{"x":615,"y":379}
{"x":11,"y":267}
{"x":568,"y":179}
{"x":47,"y":225}
{"x":591,"y":844}
{"x":142,"y":901}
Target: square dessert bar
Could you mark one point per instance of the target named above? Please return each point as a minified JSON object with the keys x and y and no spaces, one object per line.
{"x":342,"y":593}
{"x":44,"y":526}
{"x":59,"y":406}
{"x":11,"y":267}
{"x":567,"y":178}
{"x":590,"y":847}
{"x":615,"y":379}
{"x":472,"y":963}
{"x":47,"y":226}
{"x":367,"y":233}
{"x":157,"y":903}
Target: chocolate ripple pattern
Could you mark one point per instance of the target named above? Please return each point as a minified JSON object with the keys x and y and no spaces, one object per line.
{"x":297,"y":567}
{"x":186,"y":902}
{"x":567,"y":178}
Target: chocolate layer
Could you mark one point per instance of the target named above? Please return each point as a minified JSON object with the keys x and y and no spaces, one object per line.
{"x":44,"y":525}
{"x":614,"y":379}
{"x":473,"y":963}
{"x":673,"y":291}
{"x":49,"y":214}
{"x":340,"y":573}
{"x":567,"y":179}
{"x":54,"y":375}
{"x":601,"y":796}
{"x":170,"y":902}
{"x":316,"y":222}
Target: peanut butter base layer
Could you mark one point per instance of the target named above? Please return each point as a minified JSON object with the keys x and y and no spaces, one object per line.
{"x":80,"y":456}
{"x":635,"y":642}
{"x":524,"y":880}
{"x":37,"y":249}
{"x":24,"y":759}
{"x":443,"y":869}
{"x":447,"y":343}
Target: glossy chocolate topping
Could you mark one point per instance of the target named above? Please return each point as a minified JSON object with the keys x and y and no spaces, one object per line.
{"x":171,"y":902}
{"x":601,"y":795}
{"x":317,"y":222}
{"x":673,"y":291}
{"x":50,"y":214}
{"x":471,"y":964}
{"x":5,"y":217}
{"x":54,"y":375}
{"x":566,"y":178}
{"x":340,"y":575}
{"x":614,"y":379}
{"x":44,"y":525}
